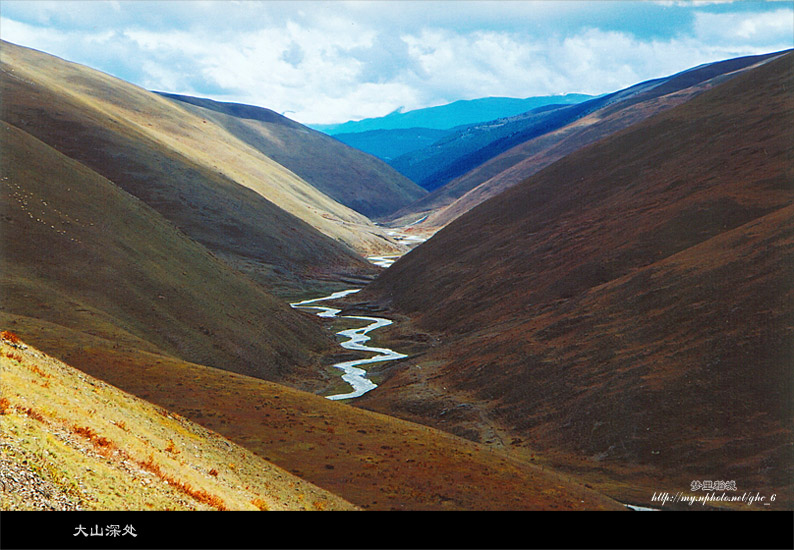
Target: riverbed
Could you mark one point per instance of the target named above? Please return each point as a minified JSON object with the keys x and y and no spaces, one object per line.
{"x":353,"y":374}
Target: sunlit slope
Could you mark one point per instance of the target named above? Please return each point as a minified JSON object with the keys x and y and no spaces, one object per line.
{"x":209,"y":183}
{"x":72,"y":442}
{"x":347,"y":175}
{"x":631,"y":304}
{"x":80,"y":252}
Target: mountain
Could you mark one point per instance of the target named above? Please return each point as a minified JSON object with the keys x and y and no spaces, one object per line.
{"x":469,"y":146}
{"x":129,"y":255}
{"x":626,"y":311}
{"x":445,"y":117}
{"x":117,"y":452}
{"x":350,"y":177}
{"x":101,"y":281}
{"x":390,"y":144}
{"x":214,"y":187}
{"x":480,"y":161}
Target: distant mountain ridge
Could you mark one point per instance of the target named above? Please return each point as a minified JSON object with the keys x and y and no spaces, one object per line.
{"x":457,"y":113}
{"x":478,"y":161}
{"x":390,"y":144}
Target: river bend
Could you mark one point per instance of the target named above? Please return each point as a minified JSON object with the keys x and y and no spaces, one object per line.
{"x":353,"y":375}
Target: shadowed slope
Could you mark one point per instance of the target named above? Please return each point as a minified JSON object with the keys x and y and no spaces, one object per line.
{"x":389,"y":144}
{"x":369,"y":459}
{"x":631,"y":304}
{"x":451,"y":115}
{"x":80,"y":252}
{"x":351,"y":177}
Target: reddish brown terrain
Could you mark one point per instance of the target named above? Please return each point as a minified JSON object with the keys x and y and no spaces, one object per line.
{"x":627,"y":311}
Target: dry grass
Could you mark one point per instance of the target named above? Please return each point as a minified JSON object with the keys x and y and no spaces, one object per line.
{"x":197,"y":494}
{"x":319,"y":159}
{"x":628,"y":309}
{"x":10,"y":337}
{"x":147,"y":139}
{"x":374,"y":461}
{"x":260,"y":504}
{"x":217,"y":316}
{"x":112,"y":451}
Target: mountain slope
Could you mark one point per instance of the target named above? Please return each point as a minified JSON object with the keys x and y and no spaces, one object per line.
{"x":72,"y":442}
{"x":469,"y":146}
{"x":372,"y":460}
{"x":629,"y":308}
{"x":390,"y":144}
{"x":482,"y":161}
{"x":83,"y":254}
{"x":356,"y":180}
{"x":215,"y":188}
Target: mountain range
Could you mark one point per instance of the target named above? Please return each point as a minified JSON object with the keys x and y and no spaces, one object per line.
{"x":450,"y":115}
{"x":481,"y":160}
{"x":591,"y":297}
{"x":151,"y":248}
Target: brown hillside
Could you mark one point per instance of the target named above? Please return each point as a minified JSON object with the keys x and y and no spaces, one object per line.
{"x":629,"y":307}
{"x":80,"y":253}
{"x":349,"y":176}
{"x":369,"y":459}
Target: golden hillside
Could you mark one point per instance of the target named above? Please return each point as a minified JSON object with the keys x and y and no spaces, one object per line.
{"x":72,"y":442}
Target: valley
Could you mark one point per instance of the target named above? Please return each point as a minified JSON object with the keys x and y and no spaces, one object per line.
{"x":575,"y":304}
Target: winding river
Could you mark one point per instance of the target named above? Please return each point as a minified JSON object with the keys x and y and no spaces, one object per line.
{"x":357,"y":377}
{"x":353,"y":375}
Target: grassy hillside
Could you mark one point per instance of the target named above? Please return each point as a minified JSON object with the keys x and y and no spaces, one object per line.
{"x":483,"y":161}
{"x":98,"y":279}
{"x":350,"y":177}
{"x":214,"y":187}
{"x":72,"y":442}
{"x":81,"y":253}
{"x":369,"y":459}
{"x":628,"y":309}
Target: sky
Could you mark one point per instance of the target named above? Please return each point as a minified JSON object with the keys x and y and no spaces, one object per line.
{"x":329,"y":62}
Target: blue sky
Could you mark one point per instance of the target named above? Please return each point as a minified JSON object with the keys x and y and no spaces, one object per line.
{"x":326,"y":62}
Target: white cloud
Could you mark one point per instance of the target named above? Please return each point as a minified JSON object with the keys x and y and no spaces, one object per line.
{"x":329,"y":62}
{"x":739,"y":29}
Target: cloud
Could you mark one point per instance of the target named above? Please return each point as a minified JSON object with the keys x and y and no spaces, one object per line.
{"x":745,"y":30}
{"x":333,"y":61}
